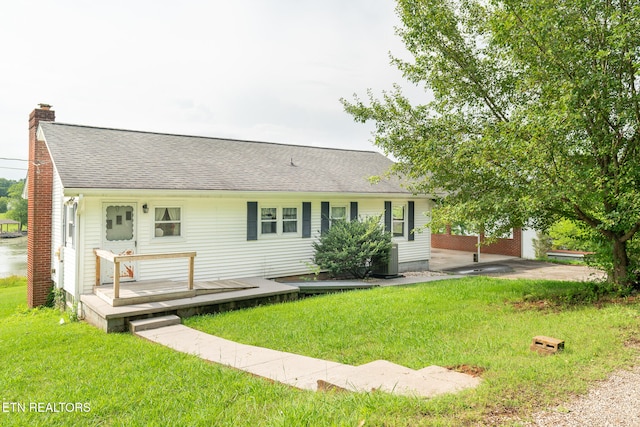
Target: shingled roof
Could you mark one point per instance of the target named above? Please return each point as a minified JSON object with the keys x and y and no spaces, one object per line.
{"x":100,"y":158}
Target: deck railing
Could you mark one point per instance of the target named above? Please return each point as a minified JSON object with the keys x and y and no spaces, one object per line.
{"x":117,"y":259}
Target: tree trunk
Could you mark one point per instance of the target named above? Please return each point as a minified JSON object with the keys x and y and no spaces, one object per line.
{"x":619,"y":272}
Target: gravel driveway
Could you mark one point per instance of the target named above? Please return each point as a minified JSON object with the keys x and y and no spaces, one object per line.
{"x":612,"y":402}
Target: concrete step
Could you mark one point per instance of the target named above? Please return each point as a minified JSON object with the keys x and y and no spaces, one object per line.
{"x":153,"y":323}
{"x":392,"y":378}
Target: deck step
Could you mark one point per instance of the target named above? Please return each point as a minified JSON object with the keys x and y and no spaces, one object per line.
{"x":153,"y":323}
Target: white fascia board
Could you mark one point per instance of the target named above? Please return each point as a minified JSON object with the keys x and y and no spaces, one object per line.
{"x":70,"y":192}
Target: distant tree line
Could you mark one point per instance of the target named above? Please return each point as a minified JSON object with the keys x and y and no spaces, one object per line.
{"x":12,"y":205}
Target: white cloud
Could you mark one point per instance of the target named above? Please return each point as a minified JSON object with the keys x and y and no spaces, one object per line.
{"x":259,"y":70}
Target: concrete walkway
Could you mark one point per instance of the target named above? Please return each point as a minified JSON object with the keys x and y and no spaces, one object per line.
{"x":315,"y":374}
{"x":306,"y":372}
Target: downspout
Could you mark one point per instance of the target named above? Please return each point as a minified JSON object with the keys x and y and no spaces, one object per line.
{"x":79,"y":251}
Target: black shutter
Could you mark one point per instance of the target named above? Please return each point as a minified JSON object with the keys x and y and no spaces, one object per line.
{"x":353,"y":212}
{"x":306,"y":219}
{"x":387,"y":216}
{"x":324,"y":217}
{"x":411,"y":220}
{"x":252,"y":220}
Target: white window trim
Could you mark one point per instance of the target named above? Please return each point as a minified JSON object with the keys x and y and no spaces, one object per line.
{"x":279,"y":234}
{"x":161,"y":239}
{"x":339,"y":205}
{"x":69,"y":219}
{"x":405,"y":234}
{"x":262,"y":221}
{"x":297,"y":220}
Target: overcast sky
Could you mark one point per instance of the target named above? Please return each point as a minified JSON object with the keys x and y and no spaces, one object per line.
{"x":258,"y":70}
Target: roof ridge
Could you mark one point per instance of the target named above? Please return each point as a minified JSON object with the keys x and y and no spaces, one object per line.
{"x":209,"y":137}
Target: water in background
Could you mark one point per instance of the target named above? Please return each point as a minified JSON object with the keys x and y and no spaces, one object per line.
{"x":13,"y":256}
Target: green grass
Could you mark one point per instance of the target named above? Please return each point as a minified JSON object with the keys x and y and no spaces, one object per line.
{"x":481,"y":322}
{"x":128,"y":381}
{"x":562,"y":261}
{"x":12,"y":295}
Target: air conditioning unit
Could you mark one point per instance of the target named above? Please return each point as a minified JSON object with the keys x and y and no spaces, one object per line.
{"x":390,"y":268}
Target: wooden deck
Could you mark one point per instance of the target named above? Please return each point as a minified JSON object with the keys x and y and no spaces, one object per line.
{"x":255,"y":291}
{"x":163,"y":290}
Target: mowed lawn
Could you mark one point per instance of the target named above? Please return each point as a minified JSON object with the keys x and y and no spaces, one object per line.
{"x":479,"y":322}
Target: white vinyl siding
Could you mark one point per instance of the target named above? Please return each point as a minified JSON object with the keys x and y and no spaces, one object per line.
{"x":216,"y":228}
{"x":408,"y":251}
{"x":57,"y":230}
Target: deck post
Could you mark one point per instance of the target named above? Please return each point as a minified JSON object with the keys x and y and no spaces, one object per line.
{"x":116,"y":279}
{"x":191,"y":263}
{"x":97,"y":268}
{"x":117,"y":259}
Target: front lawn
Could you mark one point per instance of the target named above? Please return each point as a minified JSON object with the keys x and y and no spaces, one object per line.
{"x":121,"y":380}
{"x":485,"y":324}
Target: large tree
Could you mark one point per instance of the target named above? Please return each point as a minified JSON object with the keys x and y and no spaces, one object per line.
{"x":534,"y":114}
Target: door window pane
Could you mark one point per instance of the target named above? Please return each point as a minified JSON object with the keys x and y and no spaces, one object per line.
{"x":119,"y":223}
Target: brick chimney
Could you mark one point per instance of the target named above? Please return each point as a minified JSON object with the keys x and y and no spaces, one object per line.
{"x":39,"y":193}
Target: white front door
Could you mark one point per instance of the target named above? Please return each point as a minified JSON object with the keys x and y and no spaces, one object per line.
{"x":119,"y":237}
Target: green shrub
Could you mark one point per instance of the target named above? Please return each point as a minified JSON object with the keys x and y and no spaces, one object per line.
{"x":574,"y":236}
{"x":350,"y":249}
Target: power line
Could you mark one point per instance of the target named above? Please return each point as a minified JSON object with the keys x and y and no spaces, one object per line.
{"x":18,"y":169}
{"x":12,"y":158}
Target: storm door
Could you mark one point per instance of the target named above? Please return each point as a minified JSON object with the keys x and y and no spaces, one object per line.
{"x":119,"y":237}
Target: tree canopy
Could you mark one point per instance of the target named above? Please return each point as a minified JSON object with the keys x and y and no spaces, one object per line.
{"x":18,"y":205}
{"x":4,"y":186}
{"x":534,"y":114}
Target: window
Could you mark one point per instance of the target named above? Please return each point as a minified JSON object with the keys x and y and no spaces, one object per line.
{"x":269,"y":220}
{"x":338,"y":213}
{"x":119,"y":223}
{"x":70,"y":224}
{"x":168,"y":222}
{"x":279,"y":220}
{"x":398,"y":220}
{"x":289,"y":220}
